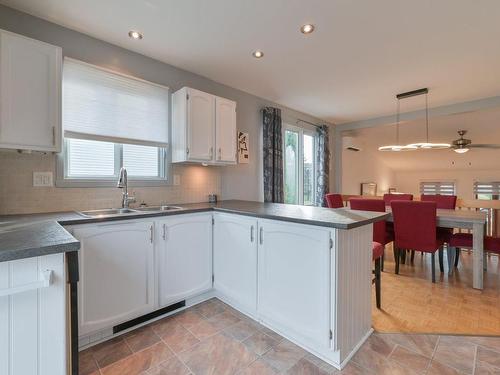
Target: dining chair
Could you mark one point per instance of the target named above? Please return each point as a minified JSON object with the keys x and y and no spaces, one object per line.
{"x":388,"y":198}
{"x":380,"y":238}
{"x":465,"y":240}
{"x":415,"y":229}
{"x":447,"y":202}
{"x":334,"y":200}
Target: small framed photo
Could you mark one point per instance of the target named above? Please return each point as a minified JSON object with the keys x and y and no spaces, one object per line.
{"x":369,"y":189}
{"x":243,"y":148}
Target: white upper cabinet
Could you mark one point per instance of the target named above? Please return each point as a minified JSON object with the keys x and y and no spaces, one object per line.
{"x":203,"y":128}
{"x":30,"y":94}
{"x":225,"y":130}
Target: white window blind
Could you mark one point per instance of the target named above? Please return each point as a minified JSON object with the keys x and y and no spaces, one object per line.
{"x":141,"y":161}
{"x":106,"y":106}
{"x":87,"y":159}
{"x":492,"y":188}
{"x":437,"y":187}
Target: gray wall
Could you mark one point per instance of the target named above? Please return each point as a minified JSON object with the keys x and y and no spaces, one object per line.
{"x":242,"y":181}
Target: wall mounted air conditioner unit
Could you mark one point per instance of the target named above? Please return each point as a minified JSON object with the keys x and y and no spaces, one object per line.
{"x":349,"y":143}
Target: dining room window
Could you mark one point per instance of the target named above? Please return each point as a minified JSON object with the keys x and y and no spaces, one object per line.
{"x":487,"y":190}
{"x":437,"y":188}
{"x":299,"y":149}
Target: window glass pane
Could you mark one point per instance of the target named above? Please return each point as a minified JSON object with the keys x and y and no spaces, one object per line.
{"x":308,"y":169}
{"x":291,"y":171}
{"x":141,"y":161}
{"x":90,"y":158}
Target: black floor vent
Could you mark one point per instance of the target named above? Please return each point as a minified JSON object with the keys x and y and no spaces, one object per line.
{"x":145,"y":318}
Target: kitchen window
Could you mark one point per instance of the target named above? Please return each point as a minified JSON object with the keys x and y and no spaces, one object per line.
{"x":112,"y":121}
{"x":299,"y":172}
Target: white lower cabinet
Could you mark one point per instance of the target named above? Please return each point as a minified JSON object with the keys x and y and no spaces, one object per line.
{"x":117,"y":278}
{"x":294,"y":280}
{"x":235,"y":260}
{"x":33,"y":316}
{"x":184,"y":257}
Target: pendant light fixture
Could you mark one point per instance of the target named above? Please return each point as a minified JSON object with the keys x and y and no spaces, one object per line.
{"x":419,"y":145}
{"x":397,"y":147}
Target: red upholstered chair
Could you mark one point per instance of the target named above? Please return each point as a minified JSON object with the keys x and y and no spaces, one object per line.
{"x":415,"y":229}
{"x":464,"y":240}
{"x":388,"y":198}
{"x":446,"y":202}
{"x":380,"y":237}
{"x":334,"y":200}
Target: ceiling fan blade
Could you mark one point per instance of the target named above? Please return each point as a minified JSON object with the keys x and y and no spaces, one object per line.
{"x":475,"y":145}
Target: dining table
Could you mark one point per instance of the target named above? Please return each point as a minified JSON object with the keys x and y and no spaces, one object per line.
{"x":465,"y":219}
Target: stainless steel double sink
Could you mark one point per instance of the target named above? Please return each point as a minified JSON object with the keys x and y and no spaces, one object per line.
{"x":127,"y":211}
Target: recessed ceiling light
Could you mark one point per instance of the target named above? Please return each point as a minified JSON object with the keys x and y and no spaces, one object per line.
{"x":134,"y":34}
{"x":308,"y":28}
{"x":258,"y":54}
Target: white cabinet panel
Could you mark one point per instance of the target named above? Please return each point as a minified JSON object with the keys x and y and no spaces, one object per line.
{"x":30,"y":93}
{"x":203,"y":128}
{"x":184,"y":256}
{"x":116,"y":273}
{"x":200,"y":130}
{"x":33,"y":322}
{"x":225,"y":130}
{"x":235,"y":259}
{"x":294,"y":278}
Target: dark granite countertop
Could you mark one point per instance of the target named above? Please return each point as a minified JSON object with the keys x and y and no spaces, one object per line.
{"x":28,"y":235}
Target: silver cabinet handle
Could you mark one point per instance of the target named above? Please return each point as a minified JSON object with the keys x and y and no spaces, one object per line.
{"x":211,"y":152}
{"x":261,"y":235}
{"x":220,"y":153}
{"x":164,"y":232}
{"x":251,"y":234}
{"x":151,"y":234}
{"x":54,"y":135}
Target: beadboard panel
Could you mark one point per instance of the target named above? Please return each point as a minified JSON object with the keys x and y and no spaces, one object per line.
{"x":33,"y":323}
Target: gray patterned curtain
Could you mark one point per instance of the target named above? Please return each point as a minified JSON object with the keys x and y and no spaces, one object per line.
{"x":273,"y":155}
{"x":322,"y":165}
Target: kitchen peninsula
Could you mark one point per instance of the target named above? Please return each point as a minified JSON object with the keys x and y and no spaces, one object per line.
{"x":304,"y":272}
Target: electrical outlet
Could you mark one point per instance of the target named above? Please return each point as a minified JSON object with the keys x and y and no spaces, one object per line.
{"x":177,"y":179}
{"x":43,"y":179}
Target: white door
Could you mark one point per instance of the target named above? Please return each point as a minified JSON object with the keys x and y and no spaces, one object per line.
{"x":116,"y":273}
{"x":185,"y":257}
{"x":33,"y":336}
{"x":30,"y":93}
{"x":225,"y":130}
{"x":294,"y":280}
{"x":235,"y":260}
{"x":201,"y":125}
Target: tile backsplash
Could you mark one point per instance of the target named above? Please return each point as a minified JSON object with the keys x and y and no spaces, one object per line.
{"x":17,"y":194}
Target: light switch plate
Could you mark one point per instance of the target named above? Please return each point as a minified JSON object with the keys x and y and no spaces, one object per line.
{"x":43,"y":179}
{"x":177,"y":179}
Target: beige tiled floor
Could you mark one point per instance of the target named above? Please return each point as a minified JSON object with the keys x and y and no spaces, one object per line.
{"x":212,"y":338}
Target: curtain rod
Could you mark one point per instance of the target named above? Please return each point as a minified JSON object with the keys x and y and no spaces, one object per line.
{"x":307,"y":122}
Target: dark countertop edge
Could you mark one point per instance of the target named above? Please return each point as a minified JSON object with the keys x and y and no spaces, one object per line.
{"x":145,"y":215}
{"x":17,"y":254}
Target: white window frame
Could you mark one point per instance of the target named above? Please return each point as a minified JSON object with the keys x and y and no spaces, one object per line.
{"x":300,"y":174}
{"x":453,"y":182}
{"x":63,"y":180}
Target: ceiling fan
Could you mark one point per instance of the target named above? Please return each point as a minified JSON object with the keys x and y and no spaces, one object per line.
{"x":462,"y":145}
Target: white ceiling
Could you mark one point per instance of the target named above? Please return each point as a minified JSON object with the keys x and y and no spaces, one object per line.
{"x":362,"y":53}
{"x":482,"y":127}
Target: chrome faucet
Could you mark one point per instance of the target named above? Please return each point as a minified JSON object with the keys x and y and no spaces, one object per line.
{"x":123,"y":184}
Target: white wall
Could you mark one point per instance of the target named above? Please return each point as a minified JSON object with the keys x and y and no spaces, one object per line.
{"x":365,"y":166}
{"x":409,"y":182}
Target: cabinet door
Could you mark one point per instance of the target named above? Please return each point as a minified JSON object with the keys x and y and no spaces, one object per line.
{"x":185,"y":257}
{"x":235,"y":259}
{"x":225,"y":130}
{"x":201,"y":125}
{"x":30,"y":93}
{"x":116,"y":273}
{"x":294,"y":280}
